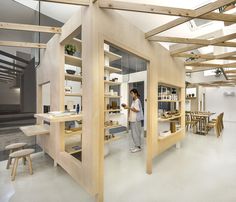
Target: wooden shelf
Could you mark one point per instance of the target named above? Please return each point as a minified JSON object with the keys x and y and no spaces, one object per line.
{"x":112,"y":69}
{"x":73,"y":77}
{"x":168,"y":136}
{"x":73,"y":60}
{"x":111,"y":127}
{"x":113,"y":139}
{"x":62,"y":118}
{"x":78,"y":43}
{"x":169,"y":119}
{"x":34,"y":130}
{"x":79,"y":132}
{"x":112,"y":83}
{"x":113,"y":110}
{"x":191,"y":98}
{"x":112,"y":56}
{"x":112,"y":96}
{"x":169,"y":101}
{"x":71,"y":149}
{"x":73,"y":94}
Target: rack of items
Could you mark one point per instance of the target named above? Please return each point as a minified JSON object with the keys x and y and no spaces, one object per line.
{"x":170,"y":116}
{"x":73,"y":97}
{"x":112,"y":96}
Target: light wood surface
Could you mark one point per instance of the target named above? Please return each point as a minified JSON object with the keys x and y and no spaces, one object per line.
{"x":112,"y":69}
{"x":73,"y":77}
{"x":22,"y":44}
{"x":73,"y":60}
{"x":27,"y":27}
{"x":35,"y":130}
{"x":112,"y":56}
{"x":54,"y":119}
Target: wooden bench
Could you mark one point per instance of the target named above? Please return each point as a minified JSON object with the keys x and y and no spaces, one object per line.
{"x":25,"y":154}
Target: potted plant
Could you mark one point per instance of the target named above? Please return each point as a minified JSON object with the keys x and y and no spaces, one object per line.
{"x":70,"y":49}
{"x":227,"y":7}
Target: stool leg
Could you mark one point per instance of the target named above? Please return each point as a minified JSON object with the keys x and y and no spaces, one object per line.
{"x":24,"y":160}
{"x":30,"y":164}
{"x":15,"y":169}
{"x":9,"y":160}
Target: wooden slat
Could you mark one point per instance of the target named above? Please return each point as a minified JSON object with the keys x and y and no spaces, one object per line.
{"x":179,"y":40}
{"x":28,"y":27}
{"x":163,"y":10}
{"x":22,"y":44}
{"x":230,"y":71}
{"x":196,"y":56}
{"x":11,"y":64}
{"x":198,"y":12}
{"x":73,"y":2}
{"x":10,"y":69}
{"x":7,"y":77}
{"x":184,"y":48}
{"x":233,"y":64}
{"x":13,"y":57}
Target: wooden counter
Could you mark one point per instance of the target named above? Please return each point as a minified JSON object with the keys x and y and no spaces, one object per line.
{"x":62,"y":118}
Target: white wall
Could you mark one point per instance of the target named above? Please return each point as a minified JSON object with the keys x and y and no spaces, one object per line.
{"x":217,"y":102}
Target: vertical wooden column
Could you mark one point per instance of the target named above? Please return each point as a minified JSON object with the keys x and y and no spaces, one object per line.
{"x":92,"y":96}
{"x":151,"y":114}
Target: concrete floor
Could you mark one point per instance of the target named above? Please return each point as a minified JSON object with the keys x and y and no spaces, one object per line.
{"x":203,"y":170}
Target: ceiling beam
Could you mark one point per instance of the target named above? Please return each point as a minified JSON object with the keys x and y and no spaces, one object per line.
{"x":30,"y":28}
{"x":14,"y":57}
{"x":179,"y":40}
{"x":11,"y":64}
{"x":233,"y":65}
{"x":7,"y":75}
{"x":175,"y":49}
{"x":22,"y":44}
{"x":163,"y":10}
{"x":73,"y":2}
{"x":10,"y":69}
{"x":9,"y":72}
{"x":198,"y":12}
{"x":215,"y":57}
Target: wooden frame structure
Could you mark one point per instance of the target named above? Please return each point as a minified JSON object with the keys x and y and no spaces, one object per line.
{"x":94,"y":25}
{"x":185,"y":44}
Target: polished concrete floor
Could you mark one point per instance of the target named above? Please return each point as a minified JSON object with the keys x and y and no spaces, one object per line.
{"x":203,"y":170}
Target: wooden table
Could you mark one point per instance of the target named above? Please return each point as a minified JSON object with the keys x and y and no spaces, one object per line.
{"x":203,"y":119}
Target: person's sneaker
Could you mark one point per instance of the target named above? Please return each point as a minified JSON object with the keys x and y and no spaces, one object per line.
{"x":136,"y":150}
{"x":132,"y":148}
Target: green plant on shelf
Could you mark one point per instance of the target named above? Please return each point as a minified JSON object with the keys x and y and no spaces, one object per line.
{"x":70,"y":49}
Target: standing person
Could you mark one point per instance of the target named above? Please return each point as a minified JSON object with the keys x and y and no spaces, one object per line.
{"x":135,"y":118}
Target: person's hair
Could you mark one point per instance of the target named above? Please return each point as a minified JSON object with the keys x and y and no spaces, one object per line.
{"x":135,"y":92}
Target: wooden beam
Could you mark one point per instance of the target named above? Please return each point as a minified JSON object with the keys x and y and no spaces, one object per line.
{"x":163,"y":10}
{"x":73,"y":2}
{"x":7,"y":77}
{"x":14,"y":57}
{"x":22,"y":44}
{"x":11,"y":69}
{"x":230,"y":71}
{"x":183,"y":48}
{"x":30,"y":28}
{"x":233,"y":64}
{"x":198,"y":12}
{"x":215,"y":57}
{"x":6,"y":80}
{"x":179,"y":40}
{"x":195,"y":56}
{"x":11,"y":64}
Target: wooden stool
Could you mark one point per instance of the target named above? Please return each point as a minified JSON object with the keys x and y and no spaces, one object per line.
{"x":25,"y":154}
{"x":12,"y":148}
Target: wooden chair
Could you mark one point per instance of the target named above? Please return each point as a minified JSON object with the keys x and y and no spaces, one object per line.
{"x":190,"y":121}
{"x":216,"y":125}
{"x":25,"y":154}
{"x":12,"y":148}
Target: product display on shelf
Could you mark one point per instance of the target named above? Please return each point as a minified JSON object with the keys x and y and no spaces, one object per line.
{"x":112,"y":93}
{"x":73,"y":77}
{"x":170,"y":116}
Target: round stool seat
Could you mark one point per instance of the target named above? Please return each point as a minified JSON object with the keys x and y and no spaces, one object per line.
{"x":21,"y":153}
{"x":15,"y":145}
